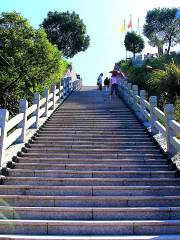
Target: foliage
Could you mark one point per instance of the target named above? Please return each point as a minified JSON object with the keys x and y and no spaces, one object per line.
{"x":177,"y":110}
{"x":67,"y":31}
{"x":135,"y":75}
{"x":28,"y":61}
{"x":133,"y":43}
{"x":162,"y":81}
{"x":162,"y":27}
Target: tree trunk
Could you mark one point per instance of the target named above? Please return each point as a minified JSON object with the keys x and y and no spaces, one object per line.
{"x":160,"y":50}
{"x":134,"y":54}
{"x":169,"y":45}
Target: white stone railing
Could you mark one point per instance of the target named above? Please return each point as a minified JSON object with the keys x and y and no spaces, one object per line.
{"x":151,"y":116}
{"x":15,"y":130}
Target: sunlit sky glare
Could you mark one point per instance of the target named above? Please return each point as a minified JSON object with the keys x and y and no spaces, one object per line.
{"x":103,"y":19}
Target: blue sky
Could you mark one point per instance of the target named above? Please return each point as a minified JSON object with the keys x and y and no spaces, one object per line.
{"x":103,"y":19}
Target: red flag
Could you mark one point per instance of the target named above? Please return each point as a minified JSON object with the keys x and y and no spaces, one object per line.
{"x":130,"y":24}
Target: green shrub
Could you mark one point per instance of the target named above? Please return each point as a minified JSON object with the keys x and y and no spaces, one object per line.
{"x":163,"y":80}
{"x":177,"y":110}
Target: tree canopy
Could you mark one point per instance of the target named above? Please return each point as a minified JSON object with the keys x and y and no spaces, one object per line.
{"x":28,"y":61}
{"x":162,"y":27}
{"x":67,"y":31}
{"x":133,"y":43}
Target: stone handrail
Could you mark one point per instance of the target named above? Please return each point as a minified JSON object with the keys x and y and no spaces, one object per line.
{"x":14,"y":130}
{"x":152,"y":117}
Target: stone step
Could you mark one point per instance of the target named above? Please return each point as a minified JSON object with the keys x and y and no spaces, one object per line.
{"x":60,"y":114}
{"x":92,"y":135}
{"x":92,"y":128}
{"x":94,"y":120}
{"x":94,"y":166}
{"x":107,"y":117}
{"x":95,"y":135}
{"x":104,"y":237}
{"x":85,"y":213}
{"x":97,"y":125}
{"x":89,"y":190}
{"x":91,"y":174}
{"x":92,"y":146}
{"x":94,"y":116}
{"x":93,"y":125}
{"x":140,"y":142}
{"x":124,"y":122}
{"x":91,"y":151}
{"x":69,"y":140}
{"x":53,"y":227}
{"x":67,"y":155}
{"x":70,"y":129}
{"x":91,"y":181}
{"x":89,"y":201}
{"x":81,"y":115}
{"x":95,"y":111}
{"x":84,"y":114}
{"x":130,"y":161}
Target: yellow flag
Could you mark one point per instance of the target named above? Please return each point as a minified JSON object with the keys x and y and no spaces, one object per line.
{"x":122,"y":29}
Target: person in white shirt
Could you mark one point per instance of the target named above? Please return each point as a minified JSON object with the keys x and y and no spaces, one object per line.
{"x":99,"y":81}
{"x":114,"y":84}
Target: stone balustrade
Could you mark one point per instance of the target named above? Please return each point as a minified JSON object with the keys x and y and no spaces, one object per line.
{"x":14,"y":130}
{"x":152,"y":117}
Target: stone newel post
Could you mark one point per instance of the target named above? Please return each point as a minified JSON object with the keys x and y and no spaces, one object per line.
{"x":4,"y":117}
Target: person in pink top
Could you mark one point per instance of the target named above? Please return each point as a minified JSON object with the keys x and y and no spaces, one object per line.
{"x":114,"y":84}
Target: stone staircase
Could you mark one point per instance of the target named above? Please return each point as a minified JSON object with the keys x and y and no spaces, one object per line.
{"x":91,"y":172}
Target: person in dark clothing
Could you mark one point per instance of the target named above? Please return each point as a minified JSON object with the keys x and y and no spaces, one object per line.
{"x":106,"y":83}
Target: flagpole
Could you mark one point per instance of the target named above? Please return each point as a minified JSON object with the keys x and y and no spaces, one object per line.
{"x":139,"y":27}
{"x":131,"y":22}
{"x":124,"y":26}
{"x":125,"y":35}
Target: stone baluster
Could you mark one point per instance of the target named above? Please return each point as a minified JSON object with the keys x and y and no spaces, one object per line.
{"x":169,"y":115}
{"x":125,"y":90}
{"x":36,"y":112}
{"x":53,"y":90}
{"x":143,"y":108}
{"x":65,"y":87}
{"x":60,"y":93}
{"x":62,"y":84}
{"x":70,"y":85}
{"x":23,"y":106}
{"x":135,"y":92}
{"x":46,"y":96}
{"x":153,"y":104}
{"x":128,"y":93}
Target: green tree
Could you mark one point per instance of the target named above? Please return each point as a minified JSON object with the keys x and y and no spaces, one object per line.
{"x":67,"y":31}
{"x":162,"y":27}
{"x":29,"y":62}
{"x":133,"y":43}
